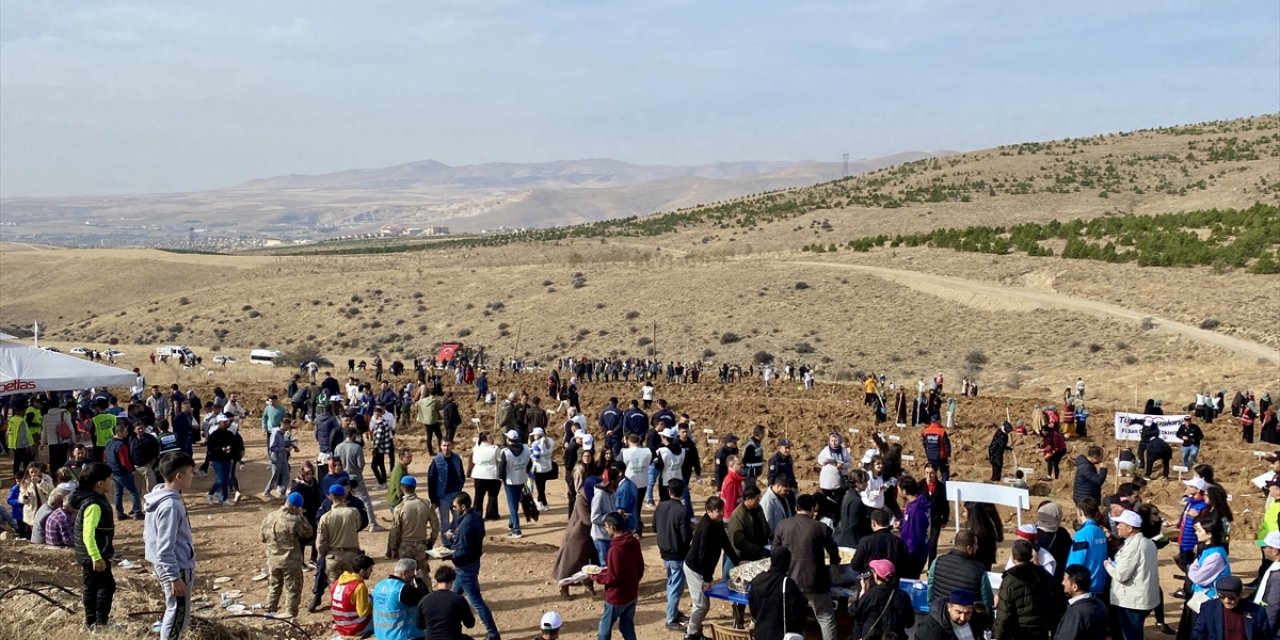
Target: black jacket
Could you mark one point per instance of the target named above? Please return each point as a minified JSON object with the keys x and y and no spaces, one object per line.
{"x":144,"y":450}
{"x":956,"y":570}
{"x":1028,"y":607}
{"x":881,"y":545}
{"x":855,"y":522}
{"x":1084,"y":620}
{"x":780,"y":465}
{"x":763,"y":598}
{"x":709,"y":540}
{"x":671,"y":526}
{"x":937,"y":625}
{"x":1089,"y":481}
{"x":882,"y":608}
{"x":452,"y":419}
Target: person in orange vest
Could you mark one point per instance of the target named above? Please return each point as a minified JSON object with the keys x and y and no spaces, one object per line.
{"x":937,"y":447}
{"x":351,"y":602}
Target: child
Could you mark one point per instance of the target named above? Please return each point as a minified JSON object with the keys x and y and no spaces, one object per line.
{"x":167,"y":537}
{"x":1193,"y":504}
{"x":94,"y":534}
{"x":1019,"y":480}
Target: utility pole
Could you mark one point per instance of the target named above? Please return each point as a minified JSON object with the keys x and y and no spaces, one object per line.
{"x":655,"y":338}
{"x":845,"y":172}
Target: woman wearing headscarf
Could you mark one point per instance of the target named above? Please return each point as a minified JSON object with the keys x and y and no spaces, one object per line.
{"x":576,"y":547}
{"x":772,"y":587}
{"x":836,"y":463}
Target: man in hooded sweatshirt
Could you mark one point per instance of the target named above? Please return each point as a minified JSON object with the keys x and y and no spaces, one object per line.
{"x":167,"y":537}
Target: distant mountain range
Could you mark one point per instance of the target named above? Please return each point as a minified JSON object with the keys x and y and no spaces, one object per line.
{"x":407,"y":198}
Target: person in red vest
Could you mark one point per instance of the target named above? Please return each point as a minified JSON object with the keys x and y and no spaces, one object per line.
{"x":937,"y":447}
{"x":350,"y":601}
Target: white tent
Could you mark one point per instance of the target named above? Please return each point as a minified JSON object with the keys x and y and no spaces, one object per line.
{"x":26,"y":369}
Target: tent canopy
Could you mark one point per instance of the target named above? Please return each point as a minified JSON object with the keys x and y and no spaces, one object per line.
{"x":26,"y":369}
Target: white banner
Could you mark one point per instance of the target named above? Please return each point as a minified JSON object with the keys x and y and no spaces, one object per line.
{"x":1129,"y":426}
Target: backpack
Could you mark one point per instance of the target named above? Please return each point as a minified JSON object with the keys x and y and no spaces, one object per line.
{"x":63,"y":430}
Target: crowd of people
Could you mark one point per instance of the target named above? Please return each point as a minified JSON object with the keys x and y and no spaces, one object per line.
{"x":628,"y":473}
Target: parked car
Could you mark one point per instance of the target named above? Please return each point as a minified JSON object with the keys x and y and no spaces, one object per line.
{"x":79,"y":350}
{"x":112,"y":353}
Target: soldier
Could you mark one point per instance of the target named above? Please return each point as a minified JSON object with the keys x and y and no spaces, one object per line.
{"x":283,"y":531}
{"x":337,"y":537}
{"x":414,"y":527}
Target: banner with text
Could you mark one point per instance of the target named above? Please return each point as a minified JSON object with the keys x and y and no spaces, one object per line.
{"x":1129,"y":426}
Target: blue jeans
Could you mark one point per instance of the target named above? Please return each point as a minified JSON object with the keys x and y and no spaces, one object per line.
{"x":653,"y":485}
{"x":513,"y":505}
{"x":1189,"y":455}
{"x":445,"y":507}
{"x":624,"y":615}
{"x":675,"y":587}
{"x":1131,"y":621}
{"x":221,"y":479}
{"x":468,"y":584}
{"x":602,"y":550}
{"x":122,"y":483}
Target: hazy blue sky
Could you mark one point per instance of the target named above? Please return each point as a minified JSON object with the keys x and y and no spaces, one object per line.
{"x":111,"y":97}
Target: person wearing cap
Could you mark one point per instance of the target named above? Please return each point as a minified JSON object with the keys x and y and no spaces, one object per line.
{"x":445,"y":478}
{"x":395,"y":603}
{"x":1040,"y":556}
{"x":414,"y":527}
{"x":1190,"y":435}
{"x":1135,"y":579}
{"x":543,"y":448}
{"x":953,"y":618}
{"x":283,"y":532}
{"x":753,"y":453}
{"x":727,"y":450}
{"x":670,"y":461}
{"x":1193,"y":504}
{"x":1027,"y":604}
{"x":781,"y":464}
{"x":221,"y":447}
{"x":337,"y":539}
{"x":1231,"y":617}
{"x":514,"y":465}
{"x":883,"y":607}
{"x":1051,"y":537}
{"x":549,"y":626}
{"x":1267,"y":593}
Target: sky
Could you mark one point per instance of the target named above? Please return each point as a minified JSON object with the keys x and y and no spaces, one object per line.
{"x":111,"y":97}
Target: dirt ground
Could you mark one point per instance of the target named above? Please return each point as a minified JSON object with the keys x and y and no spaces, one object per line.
{"x":516,"y":574}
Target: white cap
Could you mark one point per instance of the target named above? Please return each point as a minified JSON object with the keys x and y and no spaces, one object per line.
{"x":513,"y":435}
{"x":537,"y":431}
{"x":1130,"y":518}
{"x":222,"y":417}
{"x":1198,"y":483}
{"x":551,"y":621}
{"x":671,"y":432}
{"x":579,"y":433}
{"x":588,"y":442}
{"x":869,"y":454}
{"x":1272,"y":540}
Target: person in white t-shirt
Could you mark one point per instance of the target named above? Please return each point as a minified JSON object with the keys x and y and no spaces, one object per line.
{"x":646,"y":394}
{"x":544,"y":465}
{"x":484,"y":471}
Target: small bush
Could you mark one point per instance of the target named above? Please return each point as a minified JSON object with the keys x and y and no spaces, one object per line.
{"x":184,"y":301}
{"x":643,"y":341}
{"x":976,"y":358}
{"x":255,"y":314}
{"x":1122,"y":345}
{"x":356,"y":298}
{"x":1148,"y":323}
{"x":803,"y":347}
{"x":462,"y":333}
{"x":113,"y":341}
{"x":1209,"y":324}
{"x":801,"y":286}
{"x":632,"y":315}
{"x":1129,"y":358}
{"x":762,"y":357}
{"x":1094,"y":347}
{"x":1014,"y":381}
{"x":708,"y":353}
{"x":246,"y":307}
{"x":547,"y":283}
{"x":729,"y":337}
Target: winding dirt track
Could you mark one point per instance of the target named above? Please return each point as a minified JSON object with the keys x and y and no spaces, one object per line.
{"x":987,"y":295}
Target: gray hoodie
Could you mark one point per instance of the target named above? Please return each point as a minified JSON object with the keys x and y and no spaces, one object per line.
{"x":167,"y":534}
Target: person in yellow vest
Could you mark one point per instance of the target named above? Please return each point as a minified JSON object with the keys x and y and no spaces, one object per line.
{"x":351,"y":602}
{"x":23,"y":440}
{"x":104,"y":428}
{"x":414,"y":527}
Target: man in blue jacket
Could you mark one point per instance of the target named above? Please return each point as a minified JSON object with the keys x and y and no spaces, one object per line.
{"x":1089,"y":545}
{"x":1228,"y":615}
{"x":444,"y":480}
{"x":611,"y":425}
{"x":466,"y":538}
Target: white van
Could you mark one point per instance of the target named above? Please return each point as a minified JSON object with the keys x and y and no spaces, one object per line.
{"x":175,"y":351}
{"x":264,"y":356}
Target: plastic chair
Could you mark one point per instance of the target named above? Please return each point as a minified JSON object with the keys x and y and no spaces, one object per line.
{"x":725,"y":633}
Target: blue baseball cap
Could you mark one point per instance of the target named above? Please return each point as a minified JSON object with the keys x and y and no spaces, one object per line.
{"x":337,"y":490}
{"x":409,"y":481}
{"x":296,"y":499}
